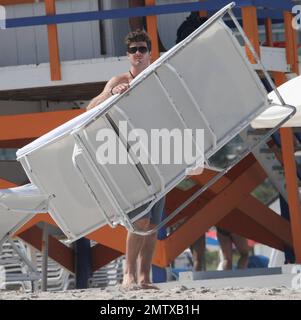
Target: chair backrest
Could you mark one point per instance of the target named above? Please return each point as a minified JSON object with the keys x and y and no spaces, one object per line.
{"x":18,"y":205}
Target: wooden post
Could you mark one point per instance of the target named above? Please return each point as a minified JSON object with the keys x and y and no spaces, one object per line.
{"x":269,"y":32}
{"x":291,"y":42}
{"x":203,"y":13}
{"x":287,"y":143}
{"x":152,"y":29}
{"x":250,"y":26}
{"x":53,"y":46}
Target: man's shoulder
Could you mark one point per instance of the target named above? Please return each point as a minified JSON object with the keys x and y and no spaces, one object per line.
{"x":120,"y":77}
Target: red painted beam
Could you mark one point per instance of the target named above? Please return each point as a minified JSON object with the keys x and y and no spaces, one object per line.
{"x":57,"y":251}
{"x":102,"y":255}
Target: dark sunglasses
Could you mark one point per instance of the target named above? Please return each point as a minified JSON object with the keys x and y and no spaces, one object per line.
{"x":141,"y":49}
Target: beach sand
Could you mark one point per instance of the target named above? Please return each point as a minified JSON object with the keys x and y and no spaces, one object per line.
{"x":178,"y":292}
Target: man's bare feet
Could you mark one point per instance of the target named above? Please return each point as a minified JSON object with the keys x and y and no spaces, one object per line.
{"x":129,"y":283}
{"x":148,"y":286}
{"x":129,"y":287}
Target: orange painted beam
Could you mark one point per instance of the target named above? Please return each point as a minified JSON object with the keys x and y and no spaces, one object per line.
{"x":56,"y":251}
{"x":32,"y":125}
{"x":203,"y":178}
{"x":5,"y":184}
{"x":269,"y":32}
{"x":224,"y":181}
{"x":287,"y":143}
{"x":186,"y":213}
{"x":112,"y":238}
{"x":203,"y":13}
{"x":267,"y":222}
{"x":240,"y":223}
{"x":291,"y":42}
{"x":243,"y":165}
{"x":53,"y":44}
{"x":176,"y":197}
{"x":279,"y":78}
{"x":39,"y":217}
{"x":102,"y":255}
{"x":267,"y":218}
{"x":152,"y":30}
{"x":213,"y":212}
{"x":250,"y":26}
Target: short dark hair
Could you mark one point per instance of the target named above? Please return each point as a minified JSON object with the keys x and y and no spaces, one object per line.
{"x":138,"y":36}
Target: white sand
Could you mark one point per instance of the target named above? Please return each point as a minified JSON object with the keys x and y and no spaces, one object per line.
{"x":178,"y":292}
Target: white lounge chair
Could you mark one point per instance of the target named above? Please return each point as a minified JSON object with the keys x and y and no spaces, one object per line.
{"x":16,"y":270}
{"x":18,"y":205}
{"x":205,"y":82}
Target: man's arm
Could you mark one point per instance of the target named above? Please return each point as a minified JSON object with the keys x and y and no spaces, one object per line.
{"x":113,"y":86}
{"x":104,"y":95}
